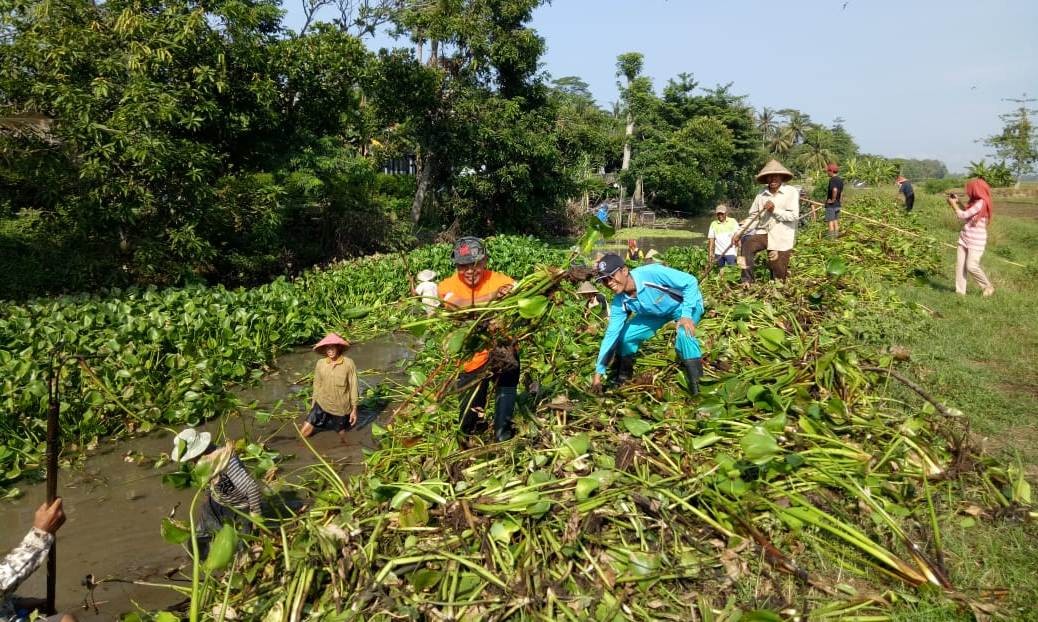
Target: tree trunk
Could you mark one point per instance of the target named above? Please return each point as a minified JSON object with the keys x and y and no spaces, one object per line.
{"x":423,"y":161}
{"x":627,"y":142}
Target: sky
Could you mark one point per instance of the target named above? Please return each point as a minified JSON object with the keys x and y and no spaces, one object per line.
{"x":910,"y":78}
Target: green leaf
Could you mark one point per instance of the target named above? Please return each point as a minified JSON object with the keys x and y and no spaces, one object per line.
{"x":706,"y":440}
{"x":586,"y":486}
{"x":221,"y":551}
{"x":416,"y":378}
{"x":174,"y":532}
{"x":637,"y":426}
{"x":532,"y":307}
{"x":576,"y":445}
{"x":355,"y":313}
{"x":759,"y":446}
{"x":836,"y":266}
{"x":424,"y":579}
{"x":165,"y":616}
{"x":772,"y":338}
{"x":456,"y":340}
{"x":503,"y":529}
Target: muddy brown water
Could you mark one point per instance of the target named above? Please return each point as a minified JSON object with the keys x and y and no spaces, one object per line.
{"x":115,"y":507}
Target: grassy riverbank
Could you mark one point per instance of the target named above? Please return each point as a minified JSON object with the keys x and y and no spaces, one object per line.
{"x":977,"y":354}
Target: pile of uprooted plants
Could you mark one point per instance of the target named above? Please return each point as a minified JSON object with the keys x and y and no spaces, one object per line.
{"x":804,"y":482}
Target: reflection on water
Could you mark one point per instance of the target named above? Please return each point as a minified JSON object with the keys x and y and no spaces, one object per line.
{"x":115,"y":506}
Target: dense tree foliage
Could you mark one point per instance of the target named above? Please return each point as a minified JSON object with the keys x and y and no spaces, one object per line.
{"x":1017,"y":144}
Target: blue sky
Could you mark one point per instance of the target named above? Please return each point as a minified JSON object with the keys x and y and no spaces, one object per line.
{"x":915,"y":78}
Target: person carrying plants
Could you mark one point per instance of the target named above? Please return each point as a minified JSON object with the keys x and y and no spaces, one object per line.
{"x":633,"y":252}
{"x":232,"y":490}
{"x":646,"y":298}
{"x":776,"y":211}
{"x":720,"y":238}
{"x":427,"y":289}
{"x":833,"y":196}
{"x":336,"y":391}
{"x":473,"y":284}
{"x":974,"y":235}
{"x":905,"y":188}
{"x":25,"y":559}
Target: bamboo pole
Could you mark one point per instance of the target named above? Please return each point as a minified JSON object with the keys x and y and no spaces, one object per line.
{"x":899,"y":230}
{"x":53,"y":410}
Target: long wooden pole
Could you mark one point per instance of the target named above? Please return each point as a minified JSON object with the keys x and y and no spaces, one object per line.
{"x":53,"y":410}
{"x":899,"y":230}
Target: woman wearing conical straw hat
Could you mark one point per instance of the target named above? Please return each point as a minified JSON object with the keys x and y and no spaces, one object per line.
{"x":775,"y":211}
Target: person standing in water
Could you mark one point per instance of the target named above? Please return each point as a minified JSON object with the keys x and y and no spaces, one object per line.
{"x":336,"y":391}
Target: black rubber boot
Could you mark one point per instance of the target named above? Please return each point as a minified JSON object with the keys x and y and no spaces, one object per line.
{"x":693,"y":371}
{"x":624,"y":369}
{"x":504,"y":409}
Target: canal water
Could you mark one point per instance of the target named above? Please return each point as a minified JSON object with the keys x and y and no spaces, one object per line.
{"x":115,"y":502}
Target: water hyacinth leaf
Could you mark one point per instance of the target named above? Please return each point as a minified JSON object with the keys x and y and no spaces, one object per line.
{"x":576,"y":445}
{"x":772,"y":338}
{"x":416,"y":377}
{"x":586,"y":486}
{"x":165,"y":616}
{"x":604,"y":229}
{"x":759,"y":445}
{"x":637,"y":426}
{"x":776,"y":424}
{"x":539,"y":509}
{"x":532,"y":307}
{"x":539,"y":477}
{"x":221,"y":551}
{"x":643,"y":564}
{"x":503,"y":529}
{"x":455,"y":340}
{"x":424,"y":579}
{"x":418,"y":330}
{"x":756,"y":392}
{"x":416,"y":514}
{"x":174,"y":532}
{"x":836,"y":266}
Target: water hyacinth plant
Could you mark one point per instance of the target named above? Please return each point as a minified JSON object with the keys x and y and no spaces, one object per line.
{"x":801,"y":483}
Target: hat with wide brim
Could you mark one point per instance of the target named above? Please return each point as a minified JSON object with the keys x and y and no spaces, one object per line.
{"x":188,"y":444}
{"x":427,"y":275}
{"x":773,"y":167}
{"x":587,"y":288}
{"x":332,"y":339}
{"x":721,"y":209}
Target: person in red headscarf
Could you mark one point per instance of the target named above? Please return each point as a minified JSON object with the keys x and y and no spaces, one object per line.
{"x":974,"y":235}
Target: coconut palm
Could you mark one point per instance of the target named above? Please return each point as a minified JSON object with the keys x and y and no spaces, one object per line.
{"x":767,"y":124}
{"x":814,"y":153}
{"x":797,"y":122}
{"x":782,"y":141}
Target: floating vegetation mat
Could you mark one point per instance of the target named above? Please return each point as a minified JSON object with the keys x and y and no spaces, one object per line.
{"x":805,"y":482}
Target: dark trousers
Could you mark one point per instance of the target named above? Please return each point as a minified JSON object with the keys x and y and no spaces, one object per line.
{"x":751,"y":245}
{"x":778,"y":263}
{"x":909,"y":202}
{"x":474,"y":394}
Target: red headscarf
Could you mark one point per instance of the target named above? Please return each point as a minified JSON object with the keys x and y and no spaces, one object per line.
{"x":978,"y":189}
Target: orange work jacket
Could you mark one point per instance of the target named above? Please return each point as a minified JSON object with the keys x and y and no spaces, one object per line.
{"x":457,"y":293}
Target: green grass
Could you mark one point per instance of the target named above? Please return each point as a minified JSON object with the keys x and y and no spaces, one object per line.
{"x":978,"y":355}
{"x":646,"y":232}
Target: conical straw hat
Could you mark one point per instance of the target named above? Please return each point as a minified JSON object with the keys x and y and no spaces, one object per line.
{"x":773,"y":168}
{"x":586,"y":288}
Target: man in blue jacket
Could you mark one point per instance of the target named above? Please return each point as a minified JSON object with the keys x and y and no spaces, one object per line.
{"x":645,"y":299}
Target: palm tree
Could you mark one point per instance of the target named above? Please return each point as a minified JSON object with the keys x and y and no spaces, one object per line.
{"x":797,"y":122}
{"x":767,"y":124}
{"x":815,"y":153}
{"x":782,"y":141}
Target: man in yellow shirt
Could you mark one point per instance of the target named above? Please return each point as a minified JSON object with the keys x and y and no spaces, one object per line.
{"x":473,"y":284}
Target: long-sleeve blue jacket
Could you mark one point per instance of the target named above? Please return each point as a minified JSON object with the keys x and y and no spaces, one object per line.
{"x":657,"y":294}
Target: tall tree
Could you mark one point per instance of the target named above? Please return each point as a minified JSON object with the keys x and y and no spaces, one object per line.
{"x":1017,"y":144}
{"x":767,"y":124}
{"x":629,"y":66}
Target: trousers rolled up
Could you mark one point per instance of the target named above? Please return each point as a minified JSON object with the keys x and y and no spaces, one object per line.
{"x":751,"y":245}
{"x":640,"y":327}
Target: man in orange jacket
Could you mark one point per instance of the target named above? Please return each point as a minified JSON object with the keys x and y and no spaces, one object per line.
{"x":473,"y":284}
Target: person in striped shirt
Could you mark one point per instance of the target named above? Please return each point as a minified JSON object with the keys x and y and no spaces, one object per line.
{"x":232,"y":489}
{"x":974,"y":235}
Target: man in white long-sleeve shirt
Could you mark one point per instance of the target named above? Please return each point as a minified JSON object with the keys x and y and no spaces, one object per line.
{"x":25,"y":559}
{"x":776,"y":211}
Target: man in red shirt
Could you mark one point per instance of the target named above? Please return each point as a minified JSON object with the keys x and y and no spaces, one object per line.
{"x":473,"y":284}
